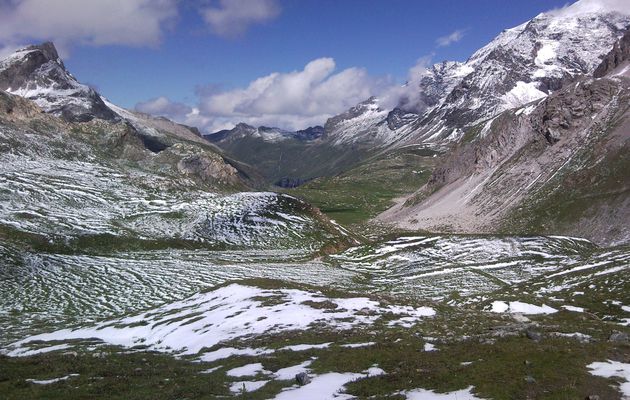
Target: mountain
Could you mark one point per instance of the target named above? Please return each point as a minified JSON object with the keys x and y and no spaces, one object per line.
{"x":522,"y":64}
{"x":446,"y":101}
{"x":287,"y":158}
{"x":558,"y":164}
{"x":37,"y":73}
{"x":270,"y":135}
{"x":79,"y":173}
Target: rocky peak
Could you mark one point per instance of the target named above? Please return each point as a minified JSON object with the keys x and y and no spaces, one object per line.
{"x":38,"y":74}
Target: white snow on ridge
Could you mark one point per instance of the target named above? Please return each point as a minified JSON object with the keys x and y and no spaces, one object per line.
{"x":228,"y":313}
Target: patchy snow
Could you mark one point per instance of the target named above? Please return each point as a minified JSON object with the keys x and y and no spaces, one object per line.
{"x":226,"y":352}
{"x":522,"y":94}
{"x":581,"y":337}
{"x":49,"y":381}
{"x":42,"y":350}
{"x":248,"y":370}
{"x":429,"y":347}
{"x":246,"y":386}
{"x":374,"y":371}
{"x":289,"y":373}
{"x":422,"y":394}
{"x":302,"y":347}
{"x":573,"y":308}
{"x":322,"y":387}
{"x":616,"y":369}
{"x":355,"y":345}
{"x":499,"y":307}
{"x":521,"y":308}
{"x":211,"y":370}
{"x":227,"y":313}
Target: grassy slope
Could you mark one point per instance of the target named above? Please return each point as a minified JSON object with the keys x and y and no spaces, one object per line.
{"x":293,"y":158}
{"x":504,"y":363}
{"x":366,"y":190}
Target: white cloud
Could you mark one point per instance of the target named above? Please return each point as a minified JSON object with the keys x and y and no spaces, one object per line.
{"x":232,"y":18}
{"x":408,"y":96}
{"x":162,"y":106}
{"x":93,"y":22}
{"x":451,"y":38}
{"x":293,"y":100}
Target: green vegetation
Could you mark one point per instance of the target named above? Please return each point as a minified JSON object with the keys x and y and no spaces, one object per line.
{"x":488,"y":351}
{"x":366,"y":190}
{"x":293,"y":158}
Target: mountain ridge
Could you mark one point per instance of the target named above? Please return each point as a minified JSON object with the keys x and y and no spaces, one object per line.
{"x":526,"y":168}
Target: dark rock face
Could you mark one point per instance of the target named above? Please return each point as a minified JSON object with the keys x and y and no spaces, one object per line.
{"x":311,"y":133}
{"x":37,"y":73}
{"x":619,"y":54}
{"x":398,"y":118}
{"x":302,"y":379}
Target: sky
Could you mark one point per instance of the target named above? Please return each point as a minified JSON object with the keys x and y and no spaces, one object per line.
{"x":286,"y":63}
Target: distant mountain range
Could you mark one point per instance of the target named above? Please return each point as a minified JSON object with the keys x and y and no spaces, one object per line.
{"x":521,"y":65}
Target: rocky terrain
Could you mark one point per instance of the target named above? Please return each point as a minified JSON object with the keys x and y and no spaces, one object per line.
{"x":140,"y":259}
{"x":555,"y":165}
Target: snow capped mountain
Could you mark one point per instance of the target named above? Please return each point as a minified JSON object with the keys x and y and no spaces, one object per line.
{"x":557,"y":165}
{"x":38,"y":74}
{"x":521,"y":65}
{"x":527,"y":62}
{"x":267,"y":134}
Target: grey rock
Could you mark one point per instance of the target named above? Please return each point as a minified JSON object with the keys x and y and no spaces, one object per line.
{"x":302,"y":378}
{"x":533,"y":335}
{"x":617,"y":336}
{"x":40,"y":72}
{"x":592,"y":397}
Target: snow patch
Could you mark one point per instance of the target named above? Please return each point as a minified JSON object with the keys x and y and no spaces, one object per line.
{"x":49,"y":381}
{"x":246,"y":386}
{"x":612,"y":369}
{"x":422,"y":394}
{"x":520,"y":308}
{"x":522,"y":94}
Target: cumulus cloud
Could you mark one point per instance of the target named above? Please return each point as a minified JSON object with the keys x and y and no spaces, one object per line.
{"x":451,"y":38}
{"x":101,"y":22}
{"x":408,"y":97}
{"x":231,"y":18}
{"x":164,"y":107}
{"x":292,"y":100}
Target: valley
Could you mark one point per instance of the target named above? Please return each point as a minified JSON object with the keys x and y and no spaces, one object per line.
{"x":473,"y":245}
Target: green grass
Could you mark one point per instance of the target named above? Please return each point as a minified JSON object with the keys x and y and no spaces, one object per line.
{"x":499,"y":367}
{"x":363,"y":192}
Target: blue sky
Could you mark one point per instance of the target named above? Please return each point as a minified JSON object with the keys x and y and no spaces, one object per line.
{"x":182,"y":50}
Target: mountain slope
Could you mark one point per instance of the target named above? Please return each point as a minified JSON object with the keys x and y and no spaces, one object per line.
{"x":75,"y":181}
{"x":557,"y":165}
